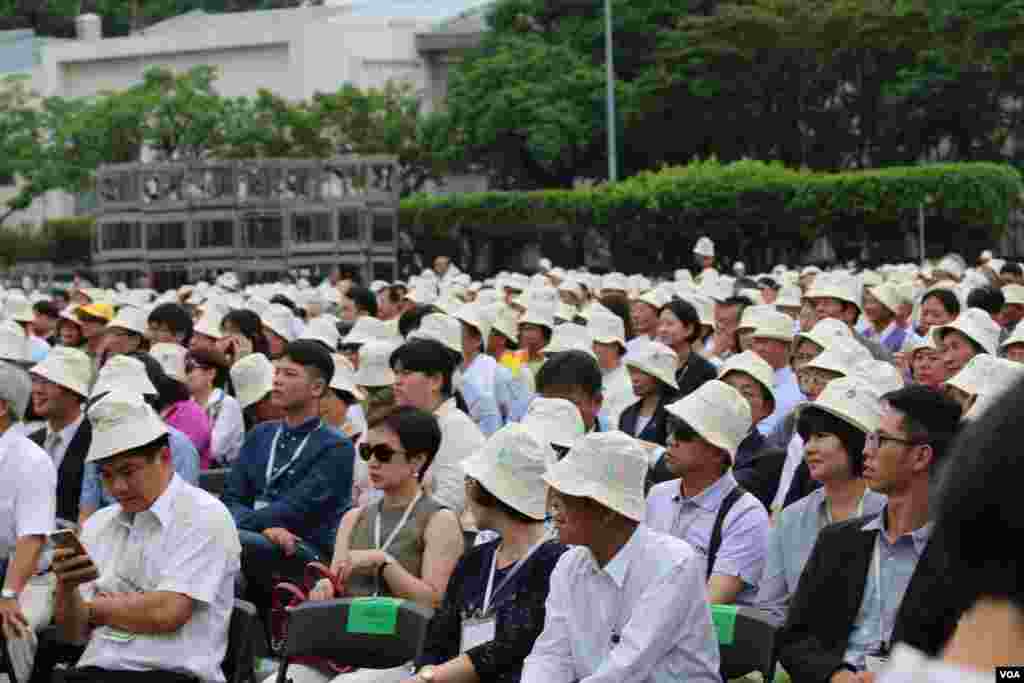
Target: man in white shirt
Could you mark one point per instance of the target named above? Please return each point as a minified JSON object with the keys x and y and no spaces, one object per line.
{"x":152,"y":596}
{"x":626,"y":604}
{"x":609,"y":334}
{"x":28,"y":504}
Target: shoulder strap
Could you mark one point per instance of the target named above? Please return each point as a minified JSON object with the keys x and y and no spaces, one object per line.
{"x":716,"y":531}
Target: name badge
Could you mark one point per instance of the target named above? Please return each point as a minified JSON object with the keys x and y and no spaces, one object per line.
{"x":477,"y":632}
{"x":260,"y":504}
{"x":116,"y":635}
{"x":875,"y":664}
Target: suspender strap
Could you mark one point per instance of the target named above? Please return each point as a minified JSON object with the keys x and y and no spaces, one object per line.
{"x":716,"y":531}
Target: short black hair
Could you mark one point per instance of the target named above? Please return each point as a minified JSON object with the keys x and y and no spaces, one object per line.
{"x":364,"y":299}
{"x":417,"y":430}
{"x":929,"y":417}
{"x":976,"y":509}
{"x":814,"y":420}
{"x":738,"y":300}
{"x":46,"y":308}
{"x":687,"y":314}
{"x":1011,"y":268}
{"x":169,"y":390}
{"x":570,"y":369}
{"x":987,"y":298}
{"x":946,"y":298}
{"x":175,"y":317}
{"x":769,"y":282}
{"x":410,"y":321}
{"x":429,"y":357}
{"x":311,"y":354}
{"x":249,"y":326}
{"x":484,"y":498}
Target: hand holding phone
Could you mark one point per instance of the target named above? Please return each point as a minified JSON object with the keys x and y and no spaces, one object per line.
{"x":71,"y":562}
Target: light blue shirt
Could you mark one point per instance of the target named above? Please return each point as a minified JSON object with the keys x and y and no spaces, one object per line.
{"x":787,"y":396}
{"x":483,"y":409}
{"x":512,"y":394}
{"x":790,"y":543}
{"x":889,"y":574}
{"x":744,"y":530}
{"x":184,"y":456}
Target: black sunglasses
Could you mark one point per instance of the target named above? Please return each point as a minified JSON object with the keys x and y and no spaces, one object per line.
{"x":381,"y":451}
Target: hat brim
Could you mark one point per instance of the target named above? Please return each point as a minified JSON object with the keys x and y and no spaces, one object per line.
{"x":60,"y":380}
{"x":506,"y":485}
{"x":107,"y":444}
{"x":561,"y":477}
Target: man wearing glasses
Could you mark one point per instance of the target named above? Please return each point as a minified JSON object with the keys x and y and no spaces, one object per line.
{"x":868,"y":578}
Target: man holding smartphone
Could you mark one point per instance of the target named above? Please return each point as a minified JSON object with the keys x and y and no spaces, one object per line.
{"x":28,"y":511}
{"x":151,"y":596}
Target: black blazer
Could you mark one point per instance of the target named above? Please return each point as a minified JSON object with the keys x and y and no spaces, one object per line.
{"x":813,"y":640}
{"x":72,"y":468}
{"x":697,"y":370}
{"x":655,"y":431}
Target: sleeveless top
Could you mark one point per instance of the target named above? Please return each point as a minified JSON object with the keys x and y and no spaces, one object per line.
{"x":407,"y":548}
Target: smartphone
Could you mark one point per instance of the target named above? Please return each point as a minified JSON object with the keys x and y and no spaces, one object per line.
{"x":66,"y":538}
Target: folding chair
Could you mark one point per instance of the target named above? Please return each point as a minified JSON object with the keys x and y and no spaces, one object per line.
{"x":746,"y":641}
{"x":6,"y":667}
{"x":372,"y":633}
{"x":212,"y":481}
{"x":239,"y":661}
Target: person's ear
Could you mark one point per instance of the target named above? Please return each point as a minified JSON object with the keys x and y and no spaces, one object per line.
{"x":923,"y":458}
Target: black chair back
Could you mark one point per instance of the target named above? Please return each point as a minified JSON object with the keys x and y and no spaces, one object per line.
{"x":747,"y":644}
{"x":212,"y":481}
{"x":240,"y":659}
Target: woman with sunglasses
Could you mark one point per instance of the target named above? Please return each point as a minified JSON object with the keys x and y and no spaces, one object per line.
{"x":834,"y":430}
{"x":207,"y":377}
{"x":404,"y":545}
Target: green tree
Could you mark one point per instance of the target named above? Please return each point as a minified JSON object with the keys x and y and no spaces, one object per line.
{"x":20,"y":132}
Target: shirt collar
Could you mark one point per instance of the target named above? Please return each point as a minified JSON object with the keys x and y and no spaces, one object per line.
{"x":162,"y":506}
{"x":711,"y":498}
{"x":446,"y":407}
{"x":69,"y":431}
{"x":618,"y":567}
{"x":783,"y":375}
{"x":918,"y":536}
{"x":304,"y":428}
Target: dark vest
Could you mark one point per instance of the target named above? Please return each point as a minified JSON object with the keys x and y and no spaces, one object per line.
{"x":72,"y":468}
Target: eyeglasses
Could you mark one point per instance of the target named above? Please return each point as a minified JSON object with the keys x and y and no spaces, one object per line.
{"x":381,"y":451}
{"x":875,"y":440}
{"x":812,"y":377}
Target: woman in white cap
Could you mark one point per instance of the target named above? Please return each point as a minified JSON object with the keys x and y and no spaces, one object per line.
{"x":207,"y":378}
{"x":834,"y":429}
{"x":404,"y":545}
{"x":493,"y":609}
{"x":925,"y":360}
{"x":972,"y":333}
{"x":652,"y":369}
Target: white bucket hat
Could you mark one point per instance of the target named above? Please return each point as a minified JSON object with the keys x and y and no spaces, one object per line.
{"x":655,"y":359}
{"x":121,"y":421}
{"x":506,"y":322}
{"x":172,"y":359}
{"x":1013,"y":294}
{"x":607,"y":328}
{"x":826,"y":332}
{"x":789,"y":297}
{"x":321,"y":329}
{"x":19,"y":309}
{"x":123,"y":373}
{"x":570,"y":337}
{"x":841,"y":287}
{"x":477,"y":318}
{"x":884,"y":377}
{"x":986,"y":375}
{"x":752,"y":364}
{"x":951,"y":266}
{"x":375,"y":364}
{"x":753,"y":315}
{"x":344,"y":378}
{"x":704,"y":247}
{"x":539,"y":314}
{"x":977,"y":325}
{"x":15,"y":388}
{"x":774,"y":325}
{"x":367,"y":329}
{"x":209,"y":324}
{"x":14,"y":346}
{"x":842,"y":357}
{"x":511,"y":466}
{"x":554,"y":421}
{"x":718,"y":413}
{"x":442,"y":328}
{"x":131,"y":318}
{"x":607,"y":467}
{"x":887,"y":295}
{"x":614,"y":282}
{"x":253,"y":378}
{"x":67,"y":367}
{"x":1016,"y":338}
{"x":280,"y":320}
{"x":717,"y":289}
{"x":852,"y":401}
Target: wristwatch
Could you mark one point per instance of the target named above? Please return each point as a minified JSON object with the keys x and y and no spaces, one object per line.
{"x":426,"y":673}
{"x":8,"y":594}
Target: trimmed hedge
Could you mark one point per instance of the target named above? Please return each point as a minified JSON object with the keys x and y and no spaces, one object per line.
{"x":60,"y":240}
{"x":751,"y":196}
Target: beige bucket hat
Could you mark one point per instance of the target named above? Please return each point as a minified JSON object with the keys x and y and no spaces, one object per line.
{"x":344,"y":378}
{"x":833,"y":286}
{"x":131,"y":318}
{"x":752,"y":364}
{"x":123,"y":373}
{"x":540,"y":314}
{"x":655,"y":359}
{"x":477,"y":318}
{"x":1016,"y":338}
{"x":172,"y":359}
{"x":884,"y":377}
{"x":554,"y":422}
{"x":209,"y":325}
{"x":1013,"y":294}
{"x":511,"y":466}
{"x":280,"y":320}
{"x":774,"y":325}
{"x":852,"y":401}
{"x":253,"y":378}
{"x":826,"y":332}
{"x":570,"y":337}
{"x":704,"y":247}
{"x":718,"y":413}
{"x":440,"y":327}
{"x":14,"y":345}
{"x":67,"y":367}
{"x":121,"y":421}
{"x":375,"y":364}
{"x":753,"y":315}
{"x":15,"y":388}
{"x":607,"y":328}
{"x":607,"y":467}
{"x":323,"y":330}
{"x":977,"y":325}
{"x":986,"y":374}
{"x":842,"y":357}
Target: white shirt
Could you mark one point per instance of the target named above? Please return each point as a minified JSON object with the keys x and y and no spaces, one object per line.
{"x":28,"y":491}
{"x":652,"y":594}
{"x":907,"y":665}
{"x":228,"y":428}
{"x":617,"y":394}
{"x":460,"y":438}
{"x":66,"y":435}
{"x":637,"y":341}
{"x":186,"y":542}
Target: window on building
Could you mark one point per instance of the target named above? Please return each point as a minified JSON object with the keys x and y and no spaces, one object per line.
{"x":169,"y":235}
{"x":120,"y":236}
{"x":383,"y":271}
{"x":383,"y":228}
{"x":263,"y":231}
{"x":311,"y":227}
{"x":218,"y":232}
{"x":348,"y":225}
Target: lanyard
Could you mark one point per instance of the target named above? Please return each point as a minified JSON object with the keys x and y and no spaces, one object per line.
{"x":860,"y":508}
{"x":398,"y":527}
{"x":508,"y":577}
{"x":882,"y":635}
{"x":273,"y":476}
